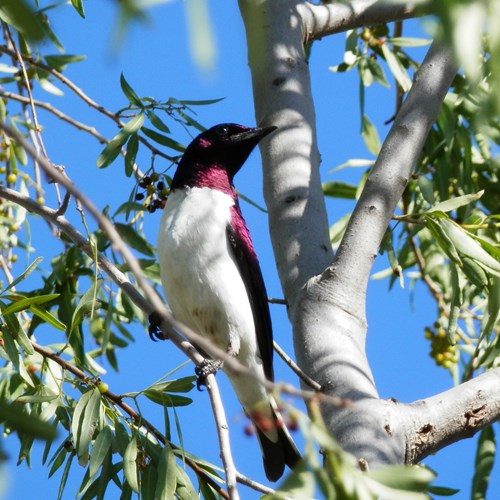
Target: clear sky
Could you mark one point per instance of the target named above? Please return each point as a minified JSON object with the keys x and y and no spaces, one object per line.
{"x":156,"y":61}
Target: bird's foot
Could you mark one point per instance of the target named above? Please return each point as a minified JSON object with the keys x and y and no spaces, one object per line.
{"x":204,"y":369}
{"x":154,"y":329}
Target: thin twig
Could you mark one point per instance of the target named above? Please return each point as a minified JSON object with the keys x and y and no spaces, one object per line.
{"x":85,"y":98}
{"x":291,"y":363}
{"x":56,"y":112}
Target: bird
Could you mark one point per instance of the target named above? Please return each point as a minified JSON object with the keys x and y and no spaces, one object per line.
{"x":212,"y":279}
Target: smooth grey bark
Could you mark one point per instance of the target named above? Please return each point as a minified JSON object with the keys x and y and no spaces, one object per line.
{"x":327,"y":297}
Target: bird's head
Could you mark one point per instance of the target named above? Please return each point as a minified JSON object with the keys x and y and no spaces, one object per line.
{"x":216,"y":155}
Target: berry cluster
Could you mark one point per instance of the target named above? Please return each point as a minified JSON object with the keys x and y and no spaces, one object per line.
{"x":443,"y":353}
{"x":155,"y":192}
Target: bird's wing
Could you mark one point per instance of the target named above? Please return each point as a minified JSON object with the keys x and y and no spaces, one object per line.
{"x":248,"y":265}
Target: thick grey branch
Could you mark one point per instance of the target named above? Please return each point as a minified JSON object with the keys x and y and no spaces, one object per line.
{"x":292,"y":187}
{"x":329,"y":321}
{"x":433,"y":423}
{"x":336,"y":17}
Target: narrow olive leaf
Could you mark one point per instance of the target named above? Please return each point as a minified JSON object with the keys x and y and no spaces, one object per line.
{"x":442,"y":491}
{"x":200,"y":103}
{"x":397,"y":69}
{"x":134,"y":124}
{"x":65,"y":476}
{"x":129,"y":465}
{"x":456,"y":301}
{"x":78,"y":5}
{"x":122,"y":437}
{"x":112,"y":149}
{"x":21,"y":303}
{"x":129,"y":92}
{"x":409,"y":42}
{"x":134,"y":239}
{"x":24,"y":274}
{"x":60,"y":61}
{"x":376,"y":71}
{"x":485,"y":458}
{"x":427,"y":189}
{"x":339,"y":189}
{"x":442,"y":238}
{"x":86,"y":305}
{"x":184,"y":384}
{"x":185,"y":489}
{"x":157,"y":122}
{"x":454,"y":203}
{"x":131,"y":154}
{"x":201,"y":36}
{"x":166,"y":483}
{"x":163,"y":140}
{"x":300,"y":483}
{"x":493,"y":307}
{"x":474,"y":272}
{"x":354,"y":162}
{"x":165,"y":399}
{"x":18,"y":13}
{"x":48,"y":317}
{"x":85,"y":418}
{"x":15,"y":329}
{"x":403,"y":477}
{"x":16,"y":417}
{"x":468,"y":246}
{"x":57,"y":460}
{"x":102,"y":445}
{"x":370,"y":136}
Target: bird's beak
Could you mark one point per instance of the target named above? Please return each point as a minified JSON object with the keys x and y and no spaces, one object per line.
{"x":254,"y":135}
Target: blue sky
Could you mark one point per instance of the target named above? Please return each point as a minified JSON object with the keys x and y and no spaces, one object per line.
{"x":156,"y":61}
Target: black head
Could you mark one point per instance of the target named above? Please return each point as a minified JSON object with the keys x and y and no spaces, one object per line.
{"x":217,"y":154}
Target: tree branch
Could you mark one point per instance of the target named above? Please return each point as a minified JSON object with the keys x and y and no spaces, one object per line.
{"x":330,"y":317}
{"x":446,"y":418}
{"x":327,"y":19}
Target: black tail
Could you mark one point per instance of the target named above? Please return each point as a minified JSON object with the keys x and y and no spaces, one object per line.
{"x":277,"y":455}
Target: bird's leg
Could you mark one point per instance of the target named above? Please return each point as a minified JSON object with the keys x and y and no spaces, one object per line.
{"x":206,"y":368}
{"x":154,"y":329}
{"x":209,"y":366}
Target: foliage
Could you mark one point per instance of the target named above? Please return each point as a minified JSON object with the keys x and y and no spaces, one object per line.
{"x":444,"y":235}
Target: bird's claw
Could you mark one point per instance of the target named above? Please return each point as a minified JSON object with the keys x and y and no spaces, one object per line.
{"x":204,"y":369}
{"x":154,"y":329}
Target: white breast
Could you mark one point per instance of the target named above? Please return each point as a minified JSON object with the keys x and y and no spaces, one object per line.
{"x":199,"y":275}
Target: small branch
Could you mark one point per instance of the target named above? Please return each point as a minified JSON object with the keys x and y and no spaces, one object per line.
{"x":85,"y":98}
{"x":224,"y":443}
{"x":291,"y":363}
{"x":456,"y":414}
{"x":56,"y":112}
{"x":327,"y":19}
{"x":254,"y":484}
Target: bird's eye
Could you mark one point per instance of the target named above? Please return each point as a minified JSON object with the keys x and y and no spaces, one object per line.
{"x":222,"y":131}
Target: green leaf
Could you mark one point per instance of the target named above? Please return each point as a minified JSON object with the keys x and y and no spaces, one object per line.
{"x":408,"y":42}
{"x":456,"y":301}
{"x":86,"y":305}
{"x":102,"y":445}
{"x":60,"y":61}
{"x":200,"y":103}
{"x":454,"y":203}
{"x":78,"y":5}
{"x":21,"y":303}
{"x":166,"y":483}
{"x":300,"y":483}
{"x":165,"y":399}
{"x":485,"y":458}
{"x":468,"y":246}
{"x":65,"y":476}
{"x":24,"y":274}
{"x":129,"y":92}
{"x":397,"y":69}
{"x":112,"y":149}
{"x":163,"y":140}
{"x":15,"y":329}
{"x":401,"y":477}
{"x":48,"y":317}
{"x":83,"y":424}
{"x":129,"y":465}
{"x":134,"y":124}
{"x":157,"y":122}
{"x":370,"y":136}
{"x":427,"y":189}
{"x":16,"y":417}
{"x":18,"y":13}
{"x":131,"y":154}
{"x":442,"y":491}
{"x":134,"y":239}
{"x":339,"y":189}
{"x":442,"y":238}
